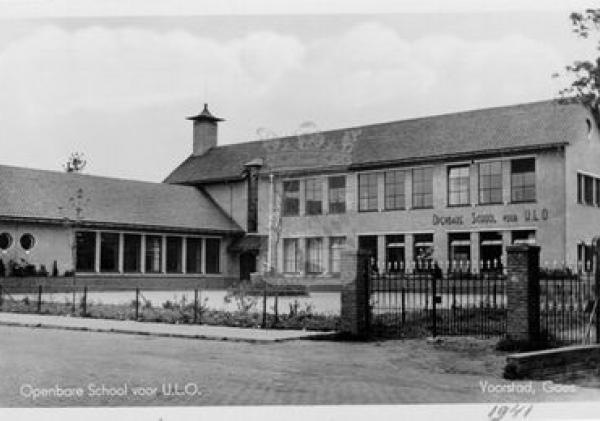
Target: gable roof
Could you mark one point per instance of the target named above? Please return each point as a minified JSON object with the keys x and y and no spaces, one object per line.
{"x":518,"y":127}
{"x":52,"y":196}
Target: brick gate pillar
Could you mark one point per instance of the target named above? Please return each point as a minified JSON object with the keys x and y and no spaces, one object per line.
{"x":523,"y":293}
{"x":355,"y":311}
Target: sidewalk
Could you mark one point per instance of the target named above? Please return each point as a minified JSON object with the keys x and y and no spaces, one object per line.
{"x":157,"y":329}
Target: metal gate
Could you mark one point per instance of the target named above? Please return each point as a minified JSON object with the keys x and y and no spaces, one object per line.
{"x":432,"y":302}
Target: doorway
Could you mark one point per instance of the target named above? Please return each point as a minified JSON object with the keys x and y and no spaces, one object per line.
{"x":247,"y":265}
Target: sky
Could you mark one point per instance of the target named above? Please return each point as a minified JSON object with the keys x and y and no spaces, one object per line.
{"x":118,"y":86}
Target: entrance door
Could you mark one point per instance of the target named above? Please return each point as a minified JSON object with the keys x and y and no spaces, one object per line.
{"x":247,"y":265}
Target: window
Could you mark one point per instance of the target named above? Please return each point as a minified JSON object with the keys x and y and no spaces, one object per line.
{"x":597,"y":192}
{"x":174,"y":254}
{"x":314,"y":189}
{"x":490,"y":182}
{"x":314,"y":248}
{"x":458,"y":185}
{"x":193,"y":258}
{"x":337,"y":194}
{"x":291,"y":198}
{"x":459,"y":250}
{"x":132,"y":249}
{"x":422,"y":188}
{"x":490,"y":250}
{"x":213,"y":255}
{"x":153,"y":254}
{"x":423,"y":250}
{"x":27,"y":242}
{"x":109,"y":252}
{"x":585,"y":257}
{"x":522,"y":176}
{"x":290,"y":255}
{"x":368,"y":244}
{"x":367,"y":192}
{"x":588,"y":190}
{"x":523,"y":237}
{"x":5,"y":241}
{"x":394,"y":249}
{"x":336,"y":245}
{"x":394,"y":190}
{"x":85,"y":251}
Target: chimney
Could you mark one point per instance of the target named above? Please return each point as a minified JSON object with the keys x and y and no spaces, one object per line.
{"x":205,"y":131}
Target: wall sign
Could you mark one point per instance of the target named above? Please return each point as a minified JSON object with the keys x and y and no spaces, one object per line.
{"x":529,"y":215}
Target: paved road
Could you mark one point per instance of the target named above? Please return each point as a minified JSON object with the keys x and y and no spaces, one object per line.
{"x":238,"y":373}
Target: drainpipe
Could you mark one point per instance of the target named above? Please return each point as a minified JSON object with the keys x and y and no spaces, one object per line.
{"x":269,"y":246}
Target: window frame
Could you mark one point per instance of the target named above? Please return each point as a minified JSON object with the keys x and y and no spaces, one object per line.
{"x":522,"y":187}
{"x":490,"y":176}
{"x":428,"y":204}
{"x":461,"y":177}
{"x":286,"y":242}
{"x":369,"y":197}
{"x":318,"y":264}
{"x":285,"y":210}
{"x":341,"y":204}
{"x":393,"y":198}
{"x":313,"y":194}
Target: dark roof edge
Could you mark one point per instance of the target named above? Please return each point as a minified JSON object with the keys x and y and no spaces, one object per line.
{"x":194,"y":183}
{"x":461,"y":155}
{"x":116,"y":225}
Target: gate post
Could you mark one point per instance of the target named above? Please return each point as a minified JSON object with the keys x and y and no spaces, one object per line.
{"x":523,"y":293}
{"x":355,"y":309}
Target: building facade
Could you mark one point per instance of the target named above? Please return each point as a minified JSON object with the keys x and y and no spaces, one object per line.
{"x":456,"y":189}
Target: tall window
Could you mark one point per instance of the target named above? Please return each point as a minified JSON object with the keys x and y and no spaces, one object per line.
{"x":132,"y":249}
{"x":394,"y":250}
{"x":367,"y":192}
{"x":337,"y":194}
{"x":422,"y":187}
{"x":291,"y":198}
{"x":368,"y":244}
{"x":336,"y":245}
{"x":490,"y":182}
{"x":459,"y":250}
{"x":109,"y":252}
{"x":174,"y":254}
{"x":490,"y":250}
{"x":458,"y":185}
{"x":193,"y":256}
{"x":86,"y":251}
{"x":588,"y":190}
{"x":423,"y":250}
{"x":598,"y":192}
{"x":585,"y":256}
{"x":314,"y":249}
{"x":290,"y":255}
{"x":394,"y":190}
{"x":153,"y":254}
{"x":522,"y":177}
{"x":213,"y":255}
{"x":314,"y":190}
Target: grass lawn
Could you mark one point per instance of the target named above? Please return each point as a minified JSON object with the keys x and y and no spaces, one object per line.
{"x":228,"y":373}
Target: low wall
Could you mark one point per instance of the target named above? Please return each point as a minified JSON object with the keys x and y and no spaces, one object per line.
{"x":559,"y":365}
{"x":15,"y":285}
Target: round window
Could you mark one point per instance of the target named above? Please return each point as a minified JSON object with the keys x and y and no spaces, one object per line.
{"x":27,"y":241}
{"x":5,"y":241}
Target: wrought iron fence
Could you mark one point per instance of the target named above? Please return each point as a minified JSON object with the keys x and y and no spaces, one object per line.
{"x":432,"y":301}
{"x":569,"y":305}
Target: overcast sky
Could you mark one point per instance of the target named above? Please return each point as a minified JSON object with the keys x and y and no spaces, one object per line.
{"x":119,"y":88}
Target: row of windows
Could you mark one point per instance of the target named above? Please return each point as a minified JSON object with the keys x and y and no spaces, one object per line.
{"x":196,"y":250}
{"x":522,"y":176}
{"x":292,"y":255}
{"x":459,"y":249}
{"x":314,"y":196}
{"x":588,"y":190}
{"x":26,"y":241}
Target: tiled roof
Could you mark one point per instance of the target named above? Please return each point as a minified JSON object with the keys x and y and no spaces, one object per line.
{"x":51,"y":195}
{"x":533,"y":125}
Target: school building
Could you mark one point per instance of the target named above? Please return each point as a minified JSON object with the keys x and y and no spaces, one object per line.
{"x":455,"y":188}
